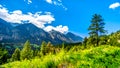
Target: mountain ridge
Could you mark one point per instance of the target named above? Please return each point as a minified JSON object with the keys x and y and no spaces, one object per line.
{"x":19,"y":33}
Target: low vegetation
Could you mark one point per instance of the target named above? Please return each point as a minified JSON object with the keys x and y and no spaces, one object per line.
{"x":104,"y":56}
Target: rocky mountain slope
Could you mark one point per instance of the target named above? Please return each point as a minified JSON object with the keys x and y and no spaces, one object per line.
{"x":19,"y":33}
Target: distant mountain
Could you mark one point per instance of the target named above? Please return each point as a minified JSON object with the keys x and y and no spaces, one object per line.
{"x":24,"y":32}
{"x":5,"y":30}
{"x":74,"y":38}
{"x":19,"y":33}
{"x":14,"y":24}
{"x":59,"y":37}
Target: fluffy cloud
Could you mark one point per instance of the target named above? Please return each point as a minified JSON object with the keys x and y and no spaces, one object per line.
{"x":18,"y":17}
{"x":114,"y":5}
{"x":17,"y":12}
{"x":59,"y":28}
{"x":37,"y":19}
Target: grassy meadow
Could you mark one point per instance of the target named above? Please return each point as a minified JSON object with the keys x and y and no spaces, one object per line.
{"x":104,"y":56}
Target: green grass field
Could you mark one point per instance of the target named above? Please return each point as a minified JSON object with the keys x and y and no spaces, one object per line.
{"x":104,"y":56}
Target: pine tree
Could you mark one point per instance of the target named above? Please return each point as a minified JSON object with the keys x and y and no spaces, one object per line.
{"x":3,"y":55}
{"x":63,"y":45}
{"x":43,"y":48}
{"x":36,"y":53}
{"x":26,"y":52}
{"x":85,"y":41}
{"x":50,"y":48}
{"x":16,"y":55}
{"x":97,"y":27}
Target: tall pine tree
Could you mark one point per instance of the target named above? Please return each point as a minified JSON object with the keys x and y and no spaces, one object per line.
{"x":16,"y":55}
{"x":43,"y":49}
{"x":3,"y":55}
{"x":27,"y":52}
{"x":85,"y":41}
{"x":97,"y":27}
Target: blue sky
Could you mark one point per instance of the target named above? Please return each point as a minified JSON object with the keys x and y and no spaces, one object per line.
{"x":62,"y":15}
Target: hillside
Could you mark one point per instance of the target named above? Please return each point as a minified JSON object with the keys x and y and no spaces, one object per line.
{"x":104,"y":56}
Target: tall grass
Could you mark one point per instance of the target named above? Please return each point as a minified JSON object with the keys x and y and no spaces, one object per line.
{"x":99,"y":57}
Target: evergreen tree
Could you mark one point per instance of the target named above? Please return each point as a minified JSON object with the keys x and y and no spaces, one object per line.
{"x":36,"y":53}
{"x":16,"y":55}
{"x":85,"y":41}
{"x":50,"y":48}
{"x":26,"y":52}
{"x":97,"y":27}
{"x":63,"y":45}
{"x":3,"y":55}
{"x":43,"y":48}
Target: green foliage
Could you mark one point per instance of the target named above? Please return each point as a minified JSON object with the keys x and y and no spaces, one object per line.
{"x":46,"y":48}
{"x":3,"y":55}
{"x":36,"y":53}
{"x":114,"y":39}
{"x":103,"y":40}
{"x":96,"y":28}
{"x":43,"y":48}
{"x":26,"y":52}
{"x":85,"y":41}
{"x":49,"y":48}
{"x":91,"y":41}
{"x":98,"y":57}
{"x":16,"y":55}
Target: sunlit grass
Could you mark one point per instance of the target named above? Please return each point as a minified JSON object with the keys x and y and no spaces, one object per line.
{"x":98,"y":57}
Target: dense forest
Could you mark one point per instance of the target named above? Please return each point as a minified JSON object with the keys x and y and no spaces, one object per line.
{"x":98,"y":50}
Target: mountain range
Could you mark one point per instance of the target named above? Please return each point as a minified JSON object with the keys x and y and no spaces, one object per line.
{"x":19,"y":33}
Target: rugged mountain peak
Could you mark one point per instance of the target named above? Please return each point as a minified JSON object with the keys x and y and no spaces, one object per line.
{"x":27,"y":31}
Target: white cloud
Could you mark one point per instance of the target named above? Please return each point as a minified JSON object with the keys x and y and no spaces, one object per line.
{"x":0,"y":6}
{"x":37,"y":19}
{"x":29,"y":1}
{"x":114,"y":5}
{"x":17,"y":17}
{"x":49,"y":1}
{"x":17,"y":12}
{"x":54,"y":2}
{"x":57,"y":3}
{"x":59,"y":28}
